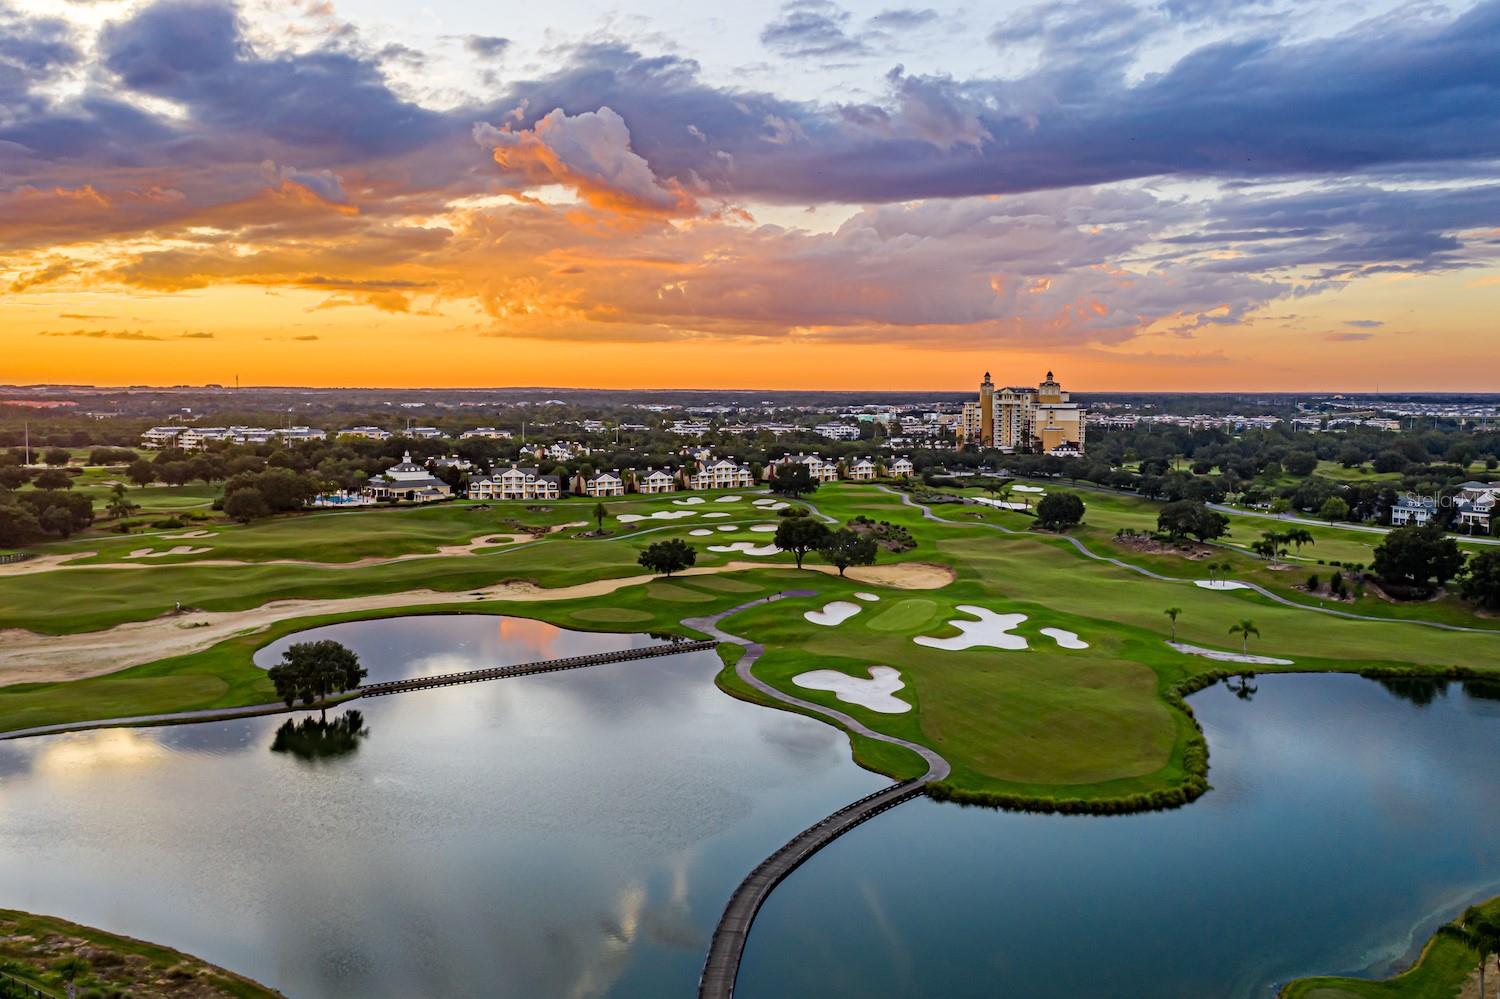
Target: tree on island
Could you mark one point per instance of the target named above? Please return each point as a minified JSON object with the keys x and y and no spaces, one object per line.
{"x":1245,"y":629}
{"x":600,"y":512}
{"x":800,"y":535}
{"x":1481,"y":582}
{"x":1173,"y":613}
{"x":793,"y":479}
{"x":1413,"y":556}
{"x":667,"y":557}
{"x":843,"y":548}
{"x":1186,"y":517}
{"x":311,"y":672}
{"x":1059,"y":511}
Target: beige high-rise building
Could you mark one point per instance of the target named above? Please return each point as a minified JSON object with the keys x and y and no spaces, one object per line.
{"x":1020,"y":418}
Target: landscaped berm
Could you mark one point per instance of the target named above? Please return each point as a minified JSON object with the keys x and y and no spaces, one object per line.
{"x":1039,"y":665}
{"x":47,"y":955}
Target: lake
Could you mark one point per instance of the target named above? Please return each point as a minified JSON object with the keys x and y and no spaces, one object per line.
{"x":577,"y":834}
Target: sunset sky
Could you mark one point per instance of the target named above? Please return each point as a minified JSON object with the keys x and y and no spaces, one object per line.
{"x":1184,"y":195}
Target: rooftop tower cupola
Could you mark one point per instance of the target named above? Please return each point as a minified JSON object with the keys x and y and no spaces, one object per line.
{"x":987,"y":412}
{"x":1050,"y":391}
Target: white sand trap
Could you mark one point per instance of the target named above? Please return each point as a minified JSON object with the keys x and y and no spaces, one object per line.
{"x":1230,"y":657}
{"x":690,"y":501}
{"x":1028,"y":489}
{"x":178,"y":550}
{"x":1064,"y":638}
{"x":867,"y":597}
{"x":763,"y":528}
{"x":764,"y":502}
{"x":728,"y":527}
{"x":832,"y":614}
{"x":630,"y":518}
{"x":701,"y":532}
{"x":720,"y":514}
{"x":729,"y":499}
{"x":747,"y":548}
{"x":999,"y":504}
{"x":1220,"y":584}
{"x":991,"y":630}
{"x":190,"y":534}
{"x":874,"y":693}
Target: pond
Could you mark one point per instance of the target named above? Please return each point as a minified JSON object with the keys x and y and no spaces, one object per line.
{"x":577,"y":834}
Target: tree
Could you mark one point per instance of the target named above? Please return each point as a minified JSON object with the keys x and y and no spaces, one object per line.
{"x":1173,"y":613}
{"x":793,"y":479}
{"x":600,"y":512}
{"x":1059,"y":511}
{"x":314,"y":739}
{"x":57,"y":457}
{"x":1298,"y":536}
{"x":14,"y":476}
{"x":1481,"y":583}
{"x":1412,"y":556}
{"x":1186,"y":517}
{"x":53,"y":478}
{"x":1480,"y":929}
{"x":667,"y":557}
{"x":1245,"y":629}
{"x":141,"y":472}
{"x":18,"y":525}
{"x":1300,"y":463}
{"x":119,"y":506}
{"x":311,"y":672}
{"x":843,"y":548}
{"x":1272,"y":545}
{"x":1334,"y":508}
{"x":247,"y":504}
{"x":800,"y":535}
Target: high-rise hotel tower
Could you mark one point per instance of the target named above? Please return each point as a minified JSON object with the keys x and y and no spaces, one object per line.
{"x":1020,"y":419}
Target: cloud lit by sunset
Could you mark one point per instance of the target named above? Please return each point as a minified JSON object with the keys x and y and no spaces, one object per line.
{"x":1185,"y":195}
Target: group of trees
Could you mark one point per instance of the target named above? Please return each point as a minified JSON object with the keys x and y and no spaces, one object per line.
{"x":32,"y":515}
{"x":1414,"y":558}
{"x":1187,"y":518}
{"x":799,"y":534}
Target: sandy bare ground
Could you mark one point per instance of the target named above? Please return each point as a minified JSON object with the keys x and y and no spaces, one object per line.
{"x":48,"y":563}
{"x":1491,"y":976}
{"x":26,"y":657}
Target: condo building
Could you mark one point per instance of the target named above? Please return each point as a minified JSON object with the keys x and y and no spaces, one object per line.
{"x":1023,"y":418}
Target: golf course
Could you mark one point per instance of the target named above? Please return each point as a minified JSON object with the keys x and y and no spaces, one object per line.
{"x":1037,"y":664}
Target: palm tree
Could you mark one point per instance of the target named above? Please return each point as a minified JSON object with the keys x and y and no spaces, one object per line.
{"x":1172,"y":613}
{"x":1245,"y":629}
{"x":1299,"y":536}
{"x":119,"y":505}
{"x":1480,"y":929}
{"x":600,"y":512}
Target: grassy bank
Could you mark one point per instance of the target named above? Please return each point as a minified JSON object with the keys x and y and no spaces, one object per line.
{"x":45,"y":951}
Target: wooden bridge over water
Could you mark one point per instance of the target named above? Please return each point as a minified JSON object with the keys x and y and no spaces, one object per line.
{"x":527,"y":669}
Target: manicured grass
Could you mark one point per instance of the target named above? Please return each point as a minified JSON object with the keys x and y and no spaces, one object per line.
{"x":1441,"y":970}
{"x":31,"y":946}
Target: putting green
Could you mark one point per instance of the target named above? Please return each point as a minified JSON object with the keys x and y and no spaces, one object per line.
{"x":905,"y":615}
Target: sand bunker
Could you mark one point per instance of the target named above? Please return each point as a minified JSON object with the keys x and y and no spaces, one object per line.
{"x":690,"y":501}
{"x":901,"y":575}
{"x":1028,"y":489}
{"x":728,"y":527}
{"x":729,"y":499}
{"x":1000,"y":504}
{"x":177,"y":550}
{"x":1230,"y":657}
{"x":992,"y":630}
{"x":868,"y":597}
{"x":1220,"y":584}
{"x":700,"y":532}
{"x":630,"y":518}
{"x":832,"y":614}
{"x":747,"y":547}
{"x":763,"y":528}
{"x":874,"y":693}
{"x":1065,"y":639}
{"x":770,"y":504}
{"x":713,"y":515}
{"x":190,"y":534}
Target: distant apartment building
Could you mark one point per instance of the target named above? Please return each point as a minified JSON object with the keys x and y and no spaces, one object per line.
{"x":1022,"y":418}
{"x":161,"y":437}
{"x":818,"y":469}
{"x":655,"y":480}
{"x":486,"y":433}
{"x":719,"y":473}
{"x":837,"y":431}
{"x":689,"y":428}
{"x":366,"y":433}
{"x":516,"y":483}
{"x":600,"y":484}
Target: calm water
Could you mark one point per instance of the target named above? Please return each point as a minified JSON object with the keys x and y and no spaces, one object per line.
{"x":577,"y":835}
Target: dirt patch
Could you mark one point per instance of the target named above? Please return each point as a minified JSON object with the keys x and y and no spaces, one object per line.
{"x":1147,"y":545}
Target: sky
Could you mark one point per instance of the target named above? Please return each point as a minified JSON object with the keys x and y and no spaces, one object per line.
{"x":1185,"y":195}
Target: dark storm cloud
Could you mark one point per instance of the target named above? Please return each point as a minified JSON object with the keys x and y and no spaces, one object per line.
{"x":486,"y":46}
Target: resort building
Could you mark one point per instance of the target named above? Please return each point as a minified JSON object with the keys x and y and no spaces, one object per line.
{"x":902,"y":468}
{"x":161,"y":437}
{"x":719,"y":473}
{"x":837,"y":431}
{"x":818,"y":469}
{"x":486,"y":433}
{"x":516,"y":483}
{"x":407,"y":482}
{"x":655,"y":480}
{"x":1476,"y":506}
{"x":599,"y":484}
{"x":1023,"y":419}
{"x":1413,"y":510}
{"x":368,"y":433}
{"x":861,"y":470}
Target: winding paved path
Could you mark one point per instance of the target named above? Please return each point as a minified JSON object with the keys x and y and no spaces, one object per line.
{"x":727,"y":946}
{"x":1141,"y":570}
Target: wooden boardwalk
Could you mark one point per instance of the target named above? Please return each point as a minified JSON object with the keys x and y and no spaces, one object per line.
{"x":728,"y":943}
{"x":527,"y":669}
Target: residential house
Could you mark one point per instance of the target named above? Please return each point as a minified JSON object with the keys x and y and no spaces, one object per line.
{"x":599,"y":484}
{"x":902,"y":468}
{"x":1413,"y":510}
{"x":1476,"y":506}
{"x":861,"y":470}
